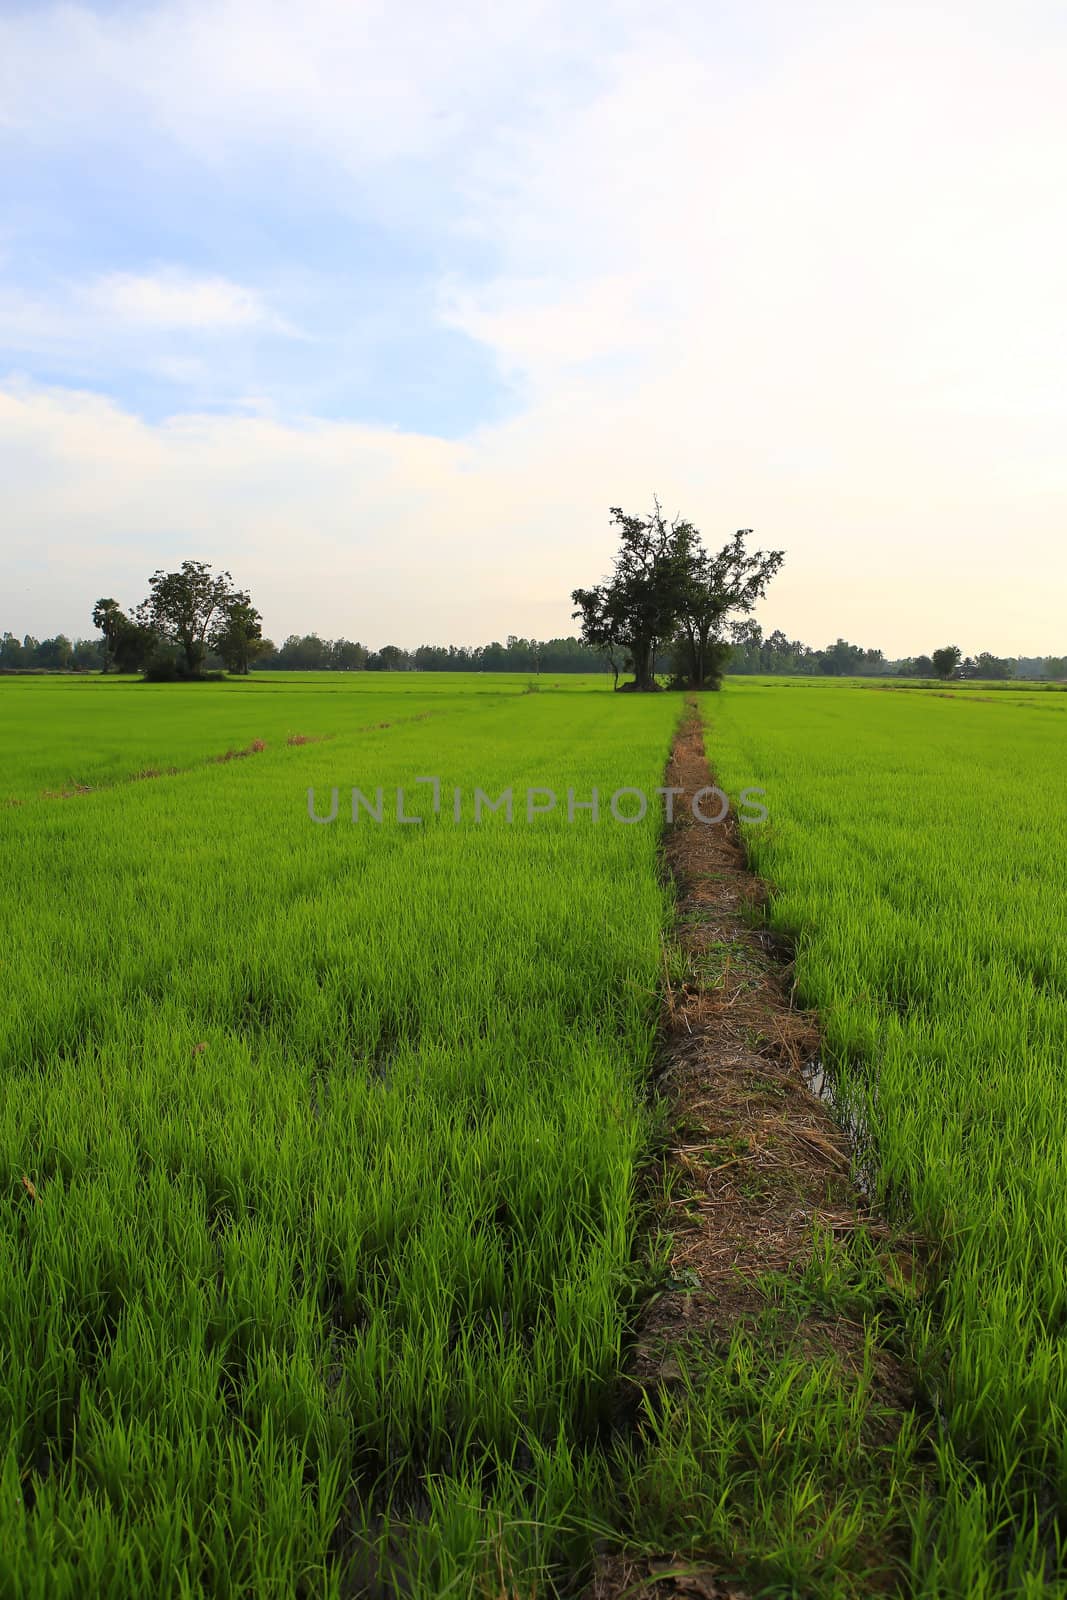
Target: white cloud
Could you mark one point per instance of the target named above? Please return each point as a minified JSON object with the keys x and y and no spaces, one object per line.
{"x":176,"y":299}
{"x":365,"y":83}
{"x":167,"y":324}
{"x":536,"y":326}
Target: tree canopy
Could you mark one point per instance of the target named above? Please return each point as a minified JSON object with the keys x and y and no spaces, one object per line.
{"x":667,"y":590}
{"x":128,"y":640}
{"x":946,"y":660}
{"x":186,"y":613}
{"x":238,"y":633}
{"x":185,"y":607}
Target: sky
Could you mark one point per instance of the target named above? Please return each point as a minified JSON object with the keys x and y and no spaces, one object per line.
{"x":382,"y":306}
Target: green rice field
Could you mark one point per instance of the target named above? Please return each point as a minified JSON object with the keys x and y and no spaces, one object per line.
{"x":919,"y":847}
{"x":332,"y":1130}
{"x":322,"y":1145}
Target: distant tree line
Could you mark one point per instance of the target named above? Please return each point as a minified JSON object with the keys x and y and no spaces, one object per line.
{"x":131,"y":648}
{"x":775,"y":654}
{"x":750,"y":653}
{"x":310,"y":653}
{"x":58,"y":654}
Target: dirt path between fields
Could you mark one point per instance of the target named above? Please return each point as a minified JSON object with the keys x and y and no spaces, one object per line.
{"x":755,"y":1164}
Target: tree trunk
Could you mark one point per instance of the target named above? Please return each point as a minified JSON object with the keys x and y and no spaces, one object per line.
{"x":698,"y":639}
{"x":702,"y":656}
{"x":696,"y":663}
{"x":642,"y":654}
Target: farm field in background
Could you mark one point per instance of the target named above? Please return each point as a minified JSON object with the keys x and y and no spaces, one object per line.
{"x":332,"y":1132}
{"x":918,"y":845}
{"x":69,"y":732}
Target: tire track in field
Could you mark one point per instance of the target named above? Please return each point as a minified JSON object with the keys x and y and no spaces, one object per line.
{"x":254,"y":748}
{"x":759,"y":1175}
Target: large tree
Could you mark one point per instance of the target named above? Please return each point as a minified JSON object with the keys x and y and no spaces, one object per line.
{"x":110,"y":618}
{"x":128,"y":640}
{"x":716,"y":587}
{"x":238,"y":633}
{"x":639,"y":606}
{"x":603,"y":625}
{"x":666,"y":587}
{"x":184,"y":608}
{"x":946,"y":660}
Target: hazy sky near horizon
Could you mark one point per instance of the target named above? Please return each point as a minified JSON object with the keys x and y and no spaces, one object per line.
{"x":381,"y":306}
